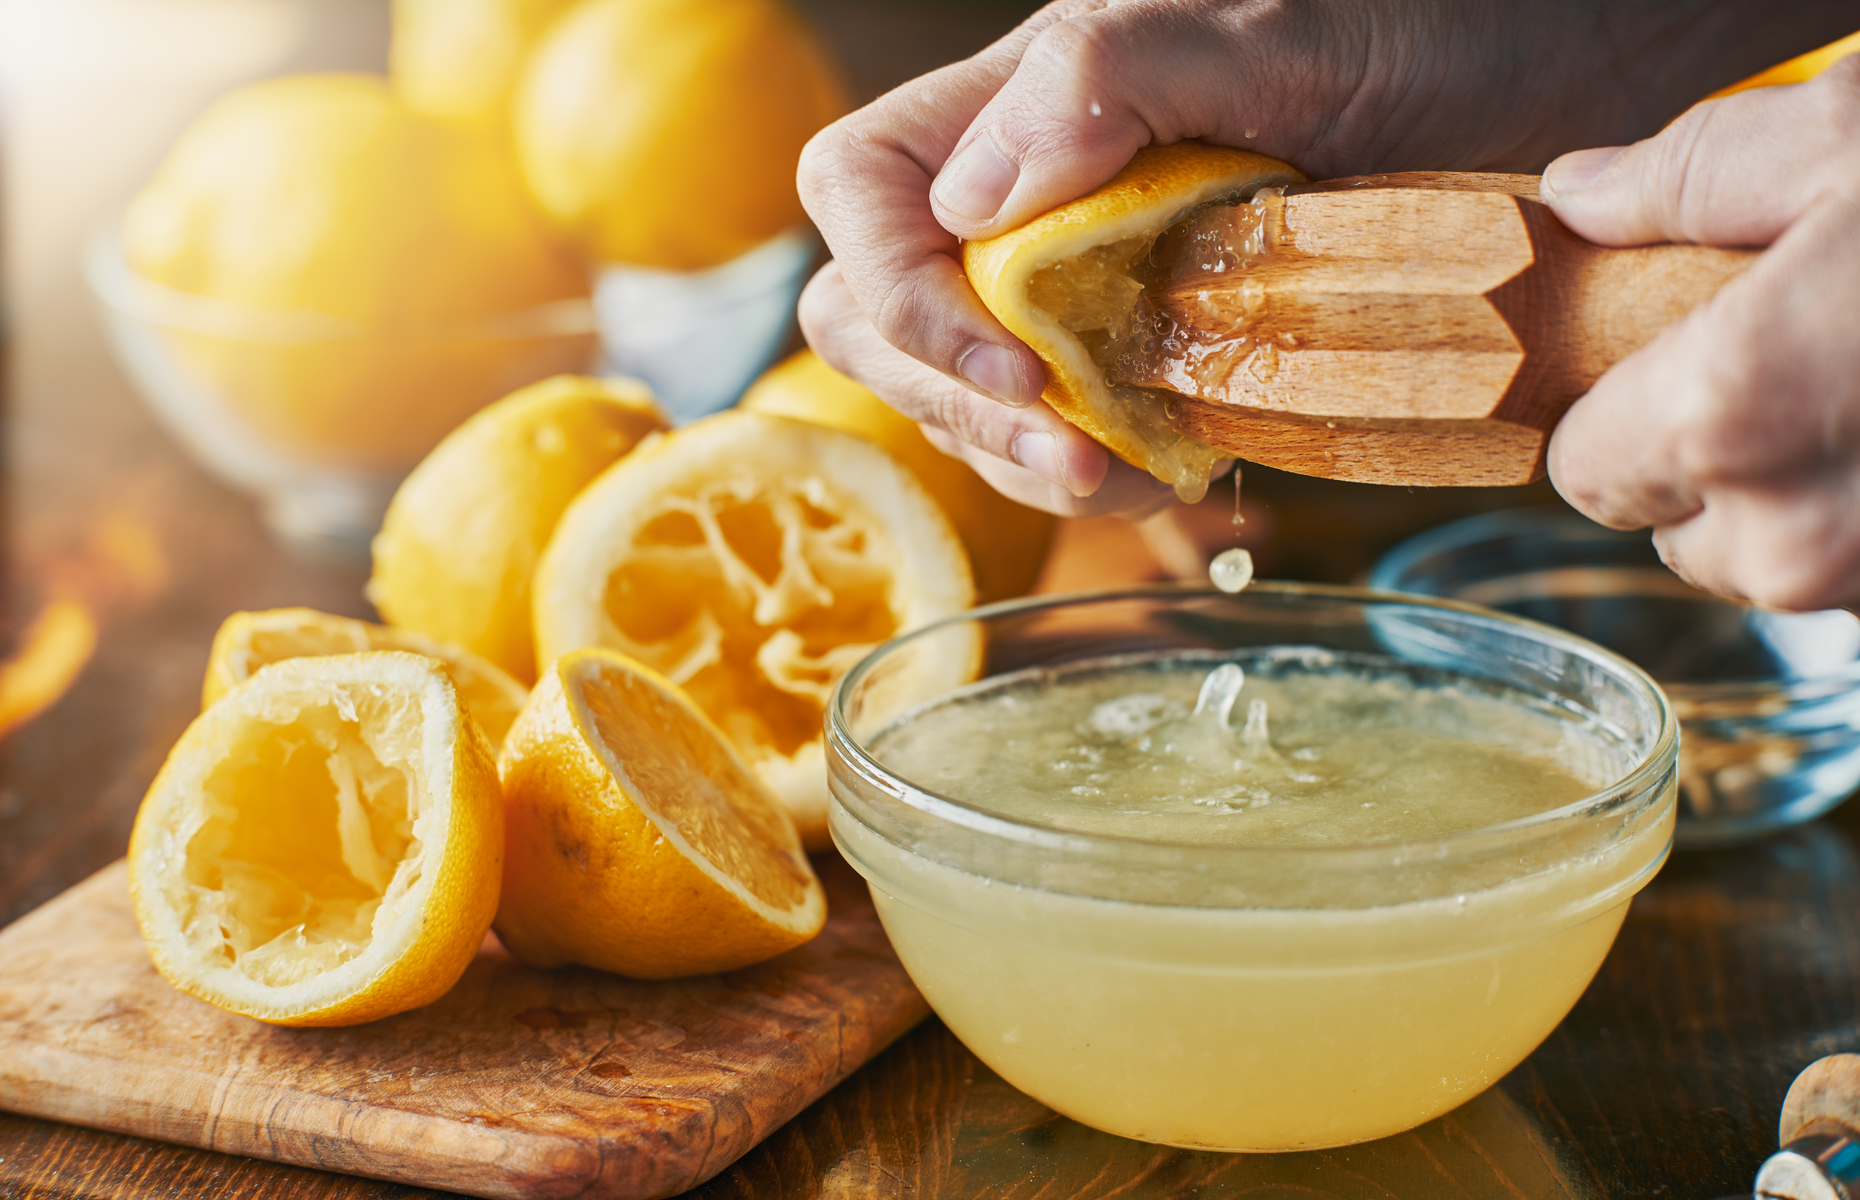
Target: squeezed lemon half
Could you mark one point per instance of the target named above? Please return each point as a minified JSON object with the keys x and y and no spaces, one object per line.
{"x":323,"y":845}
{"x":752,"y":560}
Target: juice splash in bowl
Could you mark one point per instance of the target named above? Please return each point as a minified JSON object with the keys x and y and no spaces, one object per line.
{"x":1233,"y":872}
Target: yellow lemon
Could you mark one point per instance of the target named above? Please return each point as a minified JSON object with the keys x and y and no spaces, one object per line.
{"x":1799,"y":69}
{"x":360,"y":267}
{"x":639,"y":842}
{"x":1007,"y":542}
{"x":247,"y":641}
{"x":323,"y":846}
{"x":753,"y":560}
{"x":462,"y":536}
{"x":665,"y":132}
{"x":458,"y":59}
{"x":1065,"y":274}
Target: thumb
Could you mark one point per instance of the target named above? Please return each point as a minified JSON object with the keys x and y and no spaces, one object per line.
{"x":1095,"y":87}
{"x":1735,"y":171}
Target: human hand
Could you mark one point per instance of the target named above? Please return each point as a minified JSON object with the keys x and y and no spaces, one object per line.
{"x":1059,"y":106}
{"x":1736,"y":433}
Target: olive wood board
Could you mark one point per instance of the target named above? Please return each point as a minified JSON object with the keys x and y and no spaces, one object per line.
{"x":517,"y":1083}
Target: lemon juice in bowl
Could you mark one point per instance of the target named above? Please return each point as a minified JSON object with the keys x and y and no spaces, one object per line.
{"x":1289,"y":869}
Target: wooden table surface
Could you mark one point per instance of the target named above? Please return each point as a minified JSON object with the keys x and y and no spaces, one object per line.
{"x":1734,"y":970}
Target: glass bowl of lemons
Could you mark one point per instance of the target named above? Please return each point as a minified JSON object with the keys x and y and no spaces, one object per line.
{"x":318,"y":284}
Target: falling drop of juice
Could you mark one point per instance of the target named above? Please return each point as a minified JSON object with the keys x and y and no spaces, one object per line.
{"x":1231,"y":570}
{"x":1239,"y":480}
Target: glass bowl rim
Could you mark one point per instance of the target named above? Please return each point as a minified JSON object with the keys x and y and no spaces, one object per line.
{"x":114,"y":284}
{"x":1645,"y":779}
{"x":1541,"y":519}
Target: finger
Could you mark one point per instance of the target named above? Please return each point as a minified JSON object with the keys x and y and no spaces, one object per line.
{"x":1752,"y":391}
{"x":1795,"y":549}
{"x":1093,"y":88}
{"x":1034,"y":438}
{"x":865,"y":181}
{"x":1720,"y":174}
{"x":1126,"y":491}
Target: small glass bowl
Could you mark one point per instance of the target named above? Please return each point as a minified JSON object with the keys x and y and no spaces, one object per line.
{"x":318,"y":416}
{"x":700,"y":338}
{"x":1769,"y":703}
{"x":1241,"y":998}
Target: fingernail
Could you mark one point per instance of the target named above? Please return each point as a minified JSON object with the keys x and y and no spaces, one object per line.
{"x":975,"y":183}
{"x":1577,"y":170}
{"x":1039,"y":453}
{"x":992,"y":369}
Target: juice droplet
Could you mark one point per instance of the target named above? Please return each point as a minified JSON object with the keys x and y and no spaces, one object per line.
{"x":1231,"y":570}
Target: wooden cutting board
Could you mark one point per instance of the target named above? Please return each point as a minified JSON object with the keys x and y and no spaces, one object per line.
{"x":517,"y":1083}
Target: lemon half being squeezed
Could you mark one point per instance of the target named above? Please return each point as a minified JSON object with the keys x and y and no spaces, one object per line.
{"x":1061,"y":280}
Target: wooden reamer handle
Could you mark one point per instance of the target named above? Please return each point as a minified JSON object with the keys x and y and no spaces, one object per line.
{"x":1420,"y":328}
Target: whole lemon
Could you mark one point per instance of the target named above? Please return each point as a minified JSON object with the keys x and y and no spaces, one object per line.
{"x":461,"y":539}
{"x":1007,"y":542}
{"x":384,"y":243}
{"x":665,"y":133}
{"x":459,"y":58}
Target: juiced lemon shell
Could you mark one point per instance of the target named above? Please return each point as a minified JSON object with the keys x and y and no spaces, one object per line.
{"x":324,"y":843}
{"x":753,"y":559}
{"x":1158,"y":186}
{"x":1007,"y":542}
{"x":249,"y":641}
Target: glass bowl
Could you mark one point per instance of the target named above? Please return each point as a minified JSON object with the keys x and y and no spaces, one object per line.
{"x":700,"y":338}
{"x":318,"y":416}
{"x":1248,"y":998}
{"x":1768,"y":703}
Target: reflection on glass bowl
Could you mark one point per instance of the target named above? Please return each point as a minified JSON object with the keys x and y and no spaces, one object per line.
{"x":318,"y":416}
{"x":1769,"y":703}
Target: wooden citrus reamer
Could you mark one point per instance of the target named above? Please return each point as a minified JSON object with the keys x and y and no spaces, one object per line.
{"x":1425,"y":328}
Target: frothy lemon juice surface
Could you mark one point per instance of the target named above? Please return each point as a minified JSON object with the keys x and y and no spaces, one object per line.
{"x":1190,"y":750}
{"x":1260,"y":898}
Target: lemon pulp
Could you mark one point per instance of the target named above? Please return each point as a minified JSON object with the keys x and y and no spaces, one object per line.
{"x":311,"y":825}
{"x":1101,"y":297}
{"x":755,"y":596}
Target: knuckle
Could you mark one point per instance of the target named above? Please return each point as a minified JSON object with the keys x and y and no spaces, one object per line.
{"x":1074,"y":54}
{"x":898,"y":311}
{"x":822,"y":166}
{"x":1787,"y":582}
{"x":1676,"y":190}
{"x":1722,"y":429}
{"x":1837,"y":89}
{"x":960,"y":414}
{"x":821,"y":313}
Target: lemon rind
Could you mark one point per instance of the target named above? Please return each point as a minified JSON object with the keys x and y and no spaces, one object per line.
{"x":383,"y":978}
{"x":804,"y":919}
{"x":568,"y":591}
{"x":228,"y":661}
{"x":1002,"y":268}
